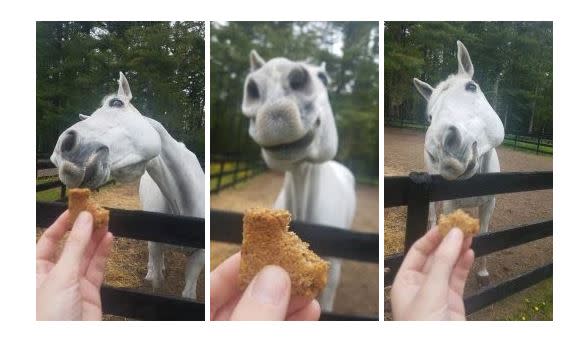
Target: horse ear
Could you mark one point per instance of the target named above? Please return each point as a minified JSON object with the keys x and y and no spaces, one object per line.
{"x":124,"y":87}
{"x":255,"y":60}
{"x":464,"y":63}
{"x":423,"y":88}
{"x":83,"y":116}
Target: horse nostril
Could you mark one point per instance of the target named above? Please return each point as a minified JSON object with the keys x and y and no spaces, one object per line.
{"x":452,"y":139}
{"x":69,"y":141}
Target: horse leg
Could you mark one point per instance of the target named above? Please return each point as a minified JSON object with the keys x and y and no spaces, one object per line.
{"x":195,"y":263}
{"x":327,"y":297}
{"x":434,"y":208}
{"x":484,"y":214}
{"x":155,"y":265}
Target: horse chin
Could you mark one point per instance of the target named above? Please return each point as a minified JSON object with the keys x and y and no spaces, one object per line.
{"x":449,"y":174}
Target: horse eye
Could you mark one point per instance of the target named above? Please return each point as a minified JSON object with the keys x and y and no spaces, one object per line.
{"x":470,"y":86}
{"x":323,"y":78}
{"x":252,"y":90}
{"x":298,"y":78}
{"x":116,"y":103}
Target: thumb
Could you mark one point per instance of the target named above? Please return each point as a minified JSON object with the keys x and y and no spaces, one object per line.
{"x":76,"y":243}
{"x":266,"y":297}
{"x":445,"y":258}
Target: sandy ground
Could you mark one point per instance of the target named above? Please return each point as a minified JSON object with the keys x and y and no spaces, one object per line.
{"x":404,"y":153}
{"x":127,"y":265}
{"x":358,"y":291}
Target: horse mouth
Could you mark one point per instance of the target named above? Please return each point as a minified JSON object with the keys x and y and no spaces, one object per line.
{"x":301,"y":143}
{"x":297,"y":145}
{"x":468,"y":172}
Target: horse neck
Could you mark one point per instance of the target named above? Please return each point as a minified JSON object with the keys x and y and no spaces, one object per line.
{"x":299,"y":189}
{"x":177,"y":173}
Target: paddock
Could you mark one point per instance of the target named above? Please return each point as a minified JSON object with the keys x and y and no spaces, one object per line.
{"x":403,"y":154}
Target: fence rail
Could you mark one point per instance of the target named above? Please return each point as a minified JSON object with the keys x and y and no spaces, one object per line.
{"x":419,"y":189}
{"x":325,"y":240}
{"x":250,"y":166}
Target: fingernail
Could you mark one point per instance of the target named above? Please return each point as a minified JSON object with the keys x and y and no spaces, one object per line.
{"x":454,"y":234}
{"x":270,"y":285}
{"x":84,"y":220}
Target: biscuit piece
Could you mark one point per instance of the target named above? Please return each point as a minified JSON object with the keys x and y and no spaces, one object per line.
{"x":268,"y":241}
{"x":460,"y":219}
{"x":79,"y":200}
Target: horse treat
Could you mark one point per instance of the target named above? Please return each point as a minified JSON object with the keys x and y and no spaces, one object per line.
{"x":79,"y":200}
{"x":459,"y":219}
{"x":268,"y":241}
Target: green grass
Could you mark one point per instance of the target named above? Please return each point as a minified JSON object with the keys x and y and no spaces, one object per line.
{"x":529,"y":147}
{"x":533,"y":303}
{"x":227,"y":166}
{"x":50,"y":194}
{"x":536,"y":304}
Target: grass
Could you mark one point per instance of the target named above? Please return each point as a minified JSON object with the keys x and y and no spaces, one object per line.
{"x":529,"y":147}
{"x":532,"y":304}
{"x":216,"y":168}
{"x":535,"y":304}
{"x":50,"y":194}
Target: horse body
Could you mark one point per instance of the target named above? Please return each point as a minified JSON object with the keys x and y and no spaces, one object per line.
{"x":173,"y":183}
{"x":117,"y":142}
{"x":292,"y":121}
{"x":461,"y":139}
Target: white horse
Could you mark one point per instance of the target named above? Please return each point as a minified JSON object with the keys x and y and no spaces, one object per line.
{"x":118,"y":142}
{"x":461,"y":139}
{"x":291,"y":120}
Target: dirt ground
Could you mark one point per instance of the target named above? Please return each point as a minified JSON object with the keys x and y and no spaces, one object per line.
{"x":127,"y":265}
{"x":404,"y":153}
{"x":358,"y":291}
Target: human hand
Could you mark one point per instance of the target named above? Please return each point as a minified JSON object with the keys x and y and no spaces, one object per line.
{"x":68,"y":288}
{"x":268,"y":296}
{"x":430,"y":283}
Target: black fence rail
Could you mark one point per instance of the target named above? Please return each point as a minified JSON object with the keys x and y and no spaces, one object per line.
{"x":325,"y":240}
{"x":419,"y":189}
{"x":149,"y":226}
{"x":243,"y":168}
{"x":539,"y":142}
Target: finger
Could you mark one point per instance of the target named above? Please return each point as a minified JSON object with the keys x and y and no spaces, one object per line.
{"x":266,"y":297}
{"x":96,"y":239}
{"x":47,"y":245}
{"x":310,"y":312}
{"x":461,"y":271}
{"x":224,"y":283}
{"x":296,"y":303}
{"x":430,"y":260}
{"x":97,"y":264}
{"x":444,"y":260}
{"x":421,"y":250}
{"x":77,"y":242}
{"x":225,"y":311}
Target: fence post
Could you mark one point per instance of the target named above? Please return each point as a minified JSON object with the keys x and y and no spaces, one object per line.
{"x":515,"y":138}
{"x":220,"y":176}
{"x":417,"y":207}
{"x":538,"y":144}
{"x":63,"y":192}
